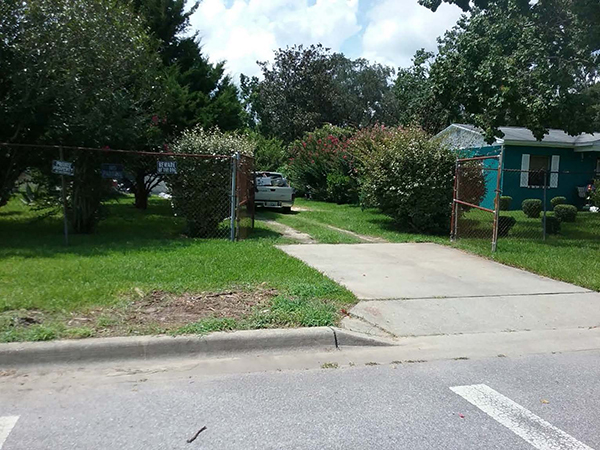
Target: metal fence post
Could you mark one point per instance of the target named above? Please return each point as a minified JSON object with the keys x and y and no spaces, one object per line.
{"x":234,"y":164}
{"x":64,"y":200}
{"x":496,"y":225}
{"x":544,"y":206}
{"x":239,"y":195}
{"x":454,"y":218}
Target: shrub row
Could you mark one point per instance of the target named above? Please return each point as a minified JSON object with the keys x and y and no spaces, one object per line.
{"x":401,"y":171}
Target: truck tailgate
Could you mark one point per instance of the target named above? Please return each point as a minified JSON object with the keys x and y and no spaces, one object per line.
{"x":274,"y":194}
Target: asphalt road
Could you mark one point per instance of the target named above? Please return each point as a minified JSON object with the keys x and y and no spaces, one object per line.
{"x":544,"y":401}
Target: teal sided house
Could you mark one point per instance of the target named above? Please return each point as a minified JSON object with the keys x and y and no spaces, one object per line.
{"x":571,"y":163}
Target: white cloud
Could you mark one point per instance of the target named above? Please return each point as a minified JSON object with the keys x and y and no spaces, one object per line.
{"x":241,"y":32}
{"x":397,"y":28}
{"x":244,"y":31}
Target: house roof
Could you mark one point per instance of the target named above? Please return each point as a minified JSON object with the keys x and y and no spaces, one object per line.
{"x":522,"y":136}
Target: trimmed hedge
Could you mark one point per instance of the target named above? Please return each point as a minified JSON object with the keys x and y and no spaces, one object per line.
{"x":505,"y":202}
{"x":558,"y":201}
{"x":532,"y":207}
{"x":565,"y":213}
{"x":505,"y":223}
{"x":552,"y":225}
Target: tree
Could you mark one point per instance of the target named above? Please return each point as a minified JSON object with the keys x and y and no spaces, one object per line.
{"x":363,"y":92}
{"x":199,"y":92}
{"x":74,"y":73}
{"x":416,"y":100}
{"x":296,"y":94}
{"x":203,"y":94}
{"x":305,"y":88}
{"x":269,"y":153}
{"x":594,"y":93}
{"x":512,"y":62}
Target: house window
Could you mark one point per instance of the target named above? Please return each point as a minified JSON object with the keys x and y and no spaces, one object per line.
{"x":538,"y":168}
{"x":533,"y":168}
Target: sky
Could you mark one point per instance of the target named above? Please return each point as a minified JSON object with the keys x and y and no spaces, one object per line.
{"x":242,"y":32}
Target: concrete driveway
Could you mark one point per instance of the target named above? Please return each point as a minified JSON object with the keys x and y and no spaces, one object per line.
{"x":428,"y":289}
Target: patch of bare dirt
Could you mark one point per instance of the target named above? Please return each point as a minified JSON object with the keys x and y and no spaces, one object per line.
{"x":302,"y":208}
{"x":289,"y":232}
{"x":166,"y":308}
{"x":362,"y":237}
{"x":155,"y":312}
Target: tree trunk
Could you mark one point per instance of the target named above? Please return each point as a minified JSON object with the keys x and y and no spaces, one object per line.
{"x":86,"y":197}
{"x":141,"y":193}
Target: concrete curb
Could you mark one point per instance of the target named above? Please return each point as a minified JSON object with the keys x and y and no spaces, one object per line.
{"x":148,"y":347}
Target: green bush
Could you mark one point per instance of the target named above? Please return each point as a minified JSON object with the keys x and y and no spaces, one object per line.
{"x":558,"y":201}
{"x":318,"y":155}
{"x":410,"y":178}
{"x":505,"y":202}
{"x":552,"y":225}
{"x":565,"y":213}
{"x":270,"y":154}
{"x":532,"y":207}
{"x":505,"y":223}
{"x":200,"y":190}
{"x":595,"y":194}
{"x":341,"y":189}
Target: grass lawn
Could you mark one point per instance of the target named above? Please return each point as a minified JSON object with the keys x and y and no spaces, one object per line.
{"x":573,"y":256}
{"x":138,"y":275}
{"x":91,"y":287}
{"x":314,"y":217}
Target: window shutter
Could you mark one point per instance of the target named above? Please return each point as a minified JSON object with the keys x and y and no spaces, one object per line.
{"x":554,"y":167}
{"x":525,"y":170}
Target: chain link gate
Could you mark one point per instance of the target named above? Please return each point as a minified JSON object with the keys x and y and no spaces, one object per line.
{"x":476,"y":199}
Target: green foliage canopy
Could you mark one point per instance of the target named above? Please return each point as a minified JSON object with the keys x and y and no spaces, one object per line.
{"x":515,"y":63}
{"x":307,"y":87}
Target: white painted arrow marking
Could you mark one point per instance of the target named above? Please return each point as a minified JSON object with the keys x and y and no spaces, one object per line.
{"x":533,"y":429}
{"x":6,"y":426}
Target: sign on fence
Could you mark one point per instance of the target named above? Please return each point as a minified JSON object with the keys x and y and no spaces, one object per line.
{"x":166,"y":167}
{"x":62,"y":168}
{"x":112,"y":171}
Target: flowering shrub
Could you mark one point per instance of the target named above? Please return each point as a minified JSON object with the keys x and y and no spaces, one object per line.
{"x":321,"y":166}
{"x":363,"y":145}
{"x":200,"y":189}
{"x":410,"y":178}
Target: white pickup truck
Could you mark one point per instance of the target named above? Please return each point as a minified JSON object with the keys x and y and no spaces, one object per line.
{"x":273,"y":191}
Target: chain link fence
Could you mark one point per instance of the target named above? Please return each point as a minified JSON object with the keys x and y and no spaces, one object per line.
{"x":476,"y":192}
{"x":545,"y":204}
{"x":172,"y":194}
{"x":529,"y":205}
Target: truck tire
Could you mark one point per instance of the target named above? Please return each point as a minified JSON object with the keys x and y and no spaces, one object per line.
{"x":286,"y":209}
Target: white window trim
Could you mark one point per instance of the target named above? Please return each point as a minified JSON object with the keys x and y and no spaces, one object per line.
{"x":554,"y":171}
{"x":525,"y":158}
